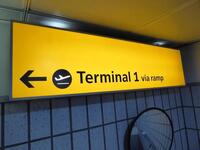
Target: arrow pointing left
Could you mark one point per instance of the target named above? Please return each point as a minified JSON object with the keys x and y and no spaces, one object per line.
{"x":26,"y":78}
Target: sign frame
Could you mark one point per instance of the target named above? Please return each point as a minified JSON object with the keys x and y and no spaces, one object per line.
{"x":81,"y":94}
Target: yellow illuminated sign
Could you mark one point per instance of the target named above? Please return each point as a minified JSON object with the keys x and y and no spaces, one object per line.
{"x":51,"y":62}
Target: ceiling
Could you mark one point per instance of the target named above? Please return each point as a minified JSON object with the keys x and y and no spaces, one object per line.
{"x":173,"y":20}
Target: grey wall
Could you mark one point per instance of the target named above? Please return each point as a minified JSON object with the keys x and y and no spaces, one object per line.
{"x":4,"y":57}
{"x":6,"y":15}
{"x":191,"y":62}
{"x":96,"y":122}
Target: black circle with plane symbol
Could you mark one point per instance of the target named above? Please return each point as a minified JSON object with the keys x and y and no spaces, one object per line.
{"x":62,"y":78}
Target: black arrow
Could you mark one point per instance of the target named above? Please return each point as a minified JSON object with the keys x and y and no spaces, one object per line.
{"x":26,"y":79}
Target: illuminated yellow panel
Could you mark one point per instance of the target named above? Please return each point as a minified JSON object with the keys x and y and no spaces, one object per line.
{"x":51,"y":62}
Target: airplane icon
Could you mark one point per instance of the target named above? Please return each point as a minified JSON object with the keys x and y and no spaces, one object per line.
{"x":62,"y":78}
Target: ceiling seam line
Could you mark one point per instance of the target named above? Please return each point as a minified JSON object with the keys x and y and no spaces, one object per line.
{"x":26,"y":10}
{"x":169,"y":13}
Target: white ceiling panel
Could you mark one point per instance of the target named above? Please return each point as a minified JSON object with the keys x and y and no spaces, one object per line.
{"x":126,"y":14}
{"x":166,"y":19}
{"x":181,"y":26}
